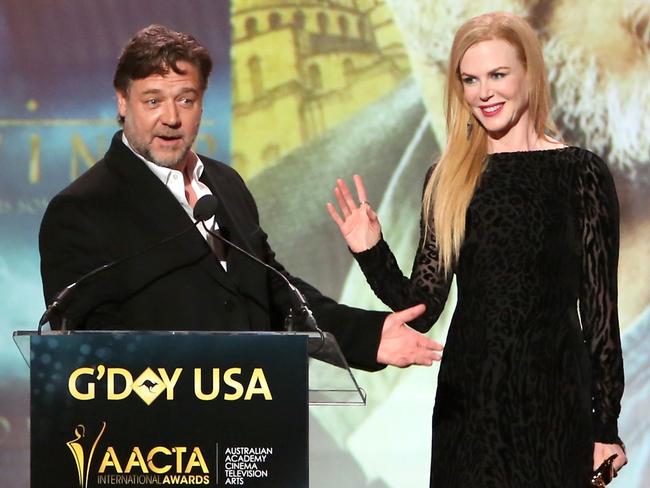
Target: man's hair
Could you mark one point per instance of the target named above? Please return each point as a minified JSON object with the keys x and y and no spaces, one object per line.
{"x":155,"y":50}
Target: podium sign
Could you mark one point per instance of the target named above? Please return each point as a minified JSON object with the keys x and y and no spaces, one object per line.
{"x":169,"y":409}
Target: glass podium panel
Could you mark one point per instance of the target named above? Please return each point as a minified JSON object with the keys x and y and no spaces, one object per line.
{"x":331,"y":381}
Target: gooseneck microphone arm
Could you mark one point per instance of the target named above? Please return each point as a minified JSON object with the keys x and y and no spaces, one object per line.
{"x":204,"y":209}
{"x":299,"y":310}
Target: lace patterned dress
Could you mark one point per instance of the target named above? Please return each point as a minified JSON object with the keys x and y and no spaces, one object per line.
{"x":532,"y":372}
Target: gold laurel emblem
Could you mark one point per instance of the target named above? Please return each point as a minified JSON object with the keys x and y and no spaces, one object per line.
{"x":78,"y":447}
{"x":148,"y":386}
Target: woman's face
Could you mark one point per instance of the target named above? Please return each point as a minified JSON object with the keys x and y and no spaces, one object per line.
{"x":494,"y":85}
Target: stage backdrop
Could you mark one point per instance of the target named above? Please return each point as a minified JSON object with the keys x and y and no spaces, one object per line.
{"x":319,"y":90}
{"x":322,"y":90}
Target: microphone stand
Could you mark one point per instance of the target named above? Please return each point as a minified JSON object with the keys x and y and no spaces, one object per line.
{"x":300,"y":317}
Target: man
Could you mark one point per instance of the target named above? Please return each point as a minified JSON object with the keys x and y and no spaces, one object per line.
{"x":144,"y":190}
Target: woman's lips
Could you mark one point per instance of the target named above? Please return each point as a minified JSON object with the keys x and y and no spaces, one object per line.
{"x":492,"y":110}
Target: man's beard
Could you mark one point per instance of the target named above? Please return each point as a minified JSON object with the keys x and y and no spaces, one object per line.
{"x":605,"y":112}
{"x":165,"y":163}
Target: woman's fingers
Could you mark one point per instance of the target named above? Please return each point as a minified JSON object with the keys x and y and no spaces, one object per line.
{"x":372,"y":216}
{"x":347,"y":195}
{"x":335,"y":215}
{"x":361,"y":189}
{"x":343,"y":205}
{"x":347,"y":203}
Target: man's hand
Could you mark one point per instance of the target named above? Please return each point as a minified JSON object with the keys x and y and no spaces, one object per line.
{"x":402,"y":346}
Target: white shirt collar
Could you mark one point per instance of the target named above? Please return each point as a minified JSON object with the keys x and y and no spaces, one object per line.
{"x":173,"y":180}
{"x":165,"y":174}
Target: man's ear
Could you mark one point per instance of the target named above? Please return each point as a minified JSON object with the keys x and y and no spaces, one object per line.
{"x":121,"y":103}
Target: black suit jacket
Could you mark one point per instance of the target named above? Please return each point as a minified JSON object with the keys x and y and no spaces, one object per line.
{"x":119,"y":207}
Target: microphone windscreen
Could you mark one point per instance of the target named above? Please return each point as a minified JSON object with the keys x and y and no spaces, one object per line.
{"x":205,"y":207}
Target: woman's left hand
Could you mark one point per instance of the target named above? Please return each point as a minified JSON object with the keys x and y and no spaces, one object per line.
{"x":358,"y":223}
{"x":603,"y":451}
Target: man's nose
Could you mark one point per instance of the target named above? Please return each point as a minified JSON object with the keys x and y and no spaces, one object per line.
{"x":170,"y":115}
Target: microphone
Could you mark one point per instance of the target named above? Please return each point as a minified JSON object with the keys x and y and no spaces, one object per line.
{"x":204,"y":209}
{"x":299,"y":304}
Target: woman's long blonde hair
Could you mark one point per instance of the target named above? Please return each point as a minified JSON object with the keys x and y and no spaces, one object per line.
{"x":451,"y":187}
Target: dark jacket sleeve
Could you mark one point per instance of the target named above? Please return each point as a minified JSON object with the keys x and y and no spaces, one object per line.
{"x":70,"y":246}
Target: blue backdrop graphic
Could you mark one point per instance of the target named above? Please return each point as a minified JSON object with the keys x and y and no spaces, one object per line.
{"x":57,"y":116}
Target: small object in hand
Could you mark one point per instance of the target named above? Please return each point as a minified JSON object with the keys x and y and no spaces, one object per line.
{"x":364,"y":202}
{"x":605,"y":472}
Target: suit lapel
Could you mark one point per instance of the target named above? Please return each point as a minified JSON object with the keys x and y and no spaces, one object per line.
{"x":157,"y":211}
{"x":227,"y":219}
{"x":232,"y":217}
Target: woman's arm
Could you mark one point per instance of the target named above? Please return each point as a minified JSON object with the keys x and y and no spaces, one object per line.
{"x":428,"y":284}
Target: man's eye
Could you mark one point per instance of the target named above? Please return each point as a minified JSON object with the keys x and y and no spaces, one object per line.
{"x":186,"y":101}
{"x":152,"y":102}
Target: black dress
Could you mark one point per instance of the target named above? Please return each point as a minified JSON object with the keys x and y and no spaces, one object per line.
{"x":532,"y":372}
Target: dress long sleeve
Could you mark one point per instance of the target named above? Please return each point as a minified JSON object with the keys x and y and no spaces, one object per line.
{"x":598,"y":294}
{"x":428,"y":284}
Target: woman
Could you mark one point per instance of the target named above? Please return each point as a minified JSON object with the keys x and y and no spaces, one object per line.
{"x":531,"y":379}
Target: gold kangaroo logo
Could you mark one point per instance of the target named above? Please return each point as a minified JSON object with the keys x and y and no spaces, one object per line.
{"x":79,"y":452}
{"x":149,"y":384}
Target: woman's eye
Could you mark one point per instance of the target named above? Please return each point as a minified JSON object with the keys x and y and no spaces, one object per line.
{"x":468,"y":80}
{"x":498,"y":76}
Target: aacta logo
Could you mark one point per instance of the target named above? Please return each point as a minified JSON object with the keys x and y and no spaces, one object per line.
{"x":166,"y":465}
{"x":150,"y":385}
{"x":83,"y":456}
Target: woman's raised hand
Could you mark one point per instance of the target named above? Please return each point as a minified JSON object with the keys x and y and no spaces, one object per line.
{"x":358,"y":223}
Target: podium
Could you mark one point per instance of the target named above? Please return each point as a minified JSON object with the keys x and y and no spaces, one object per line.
{"x":145,"y":409}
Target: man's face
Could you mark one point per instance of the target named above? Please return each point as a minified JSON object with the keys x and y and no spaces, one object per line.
{"x":162,"y":114}
{"x":494,"y":85}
